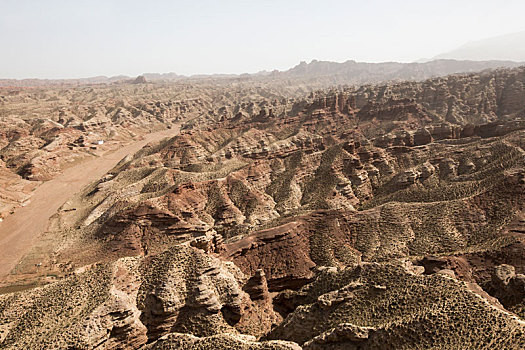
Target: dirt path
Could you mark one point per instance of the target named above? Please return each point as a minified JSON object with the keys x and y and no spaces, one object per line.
{"x":18,"y":230}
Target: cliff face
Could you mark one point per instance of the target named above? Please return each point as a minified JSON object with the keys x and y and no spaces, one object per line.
{"x":346,"y":219}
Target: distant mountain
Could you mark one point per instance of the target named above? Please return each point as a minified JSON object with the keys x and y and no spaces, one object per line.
{"x":504,"y":47}
{"x":316,"y":73}
{"x":352,"y":72}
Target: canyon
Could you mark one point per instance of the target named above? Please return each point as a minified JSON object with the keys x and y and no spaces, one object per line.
{"x":291,"y":210}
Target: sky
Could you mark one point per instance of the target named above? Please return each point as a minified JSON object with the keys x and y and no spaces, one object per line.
{"x":84,"y":38}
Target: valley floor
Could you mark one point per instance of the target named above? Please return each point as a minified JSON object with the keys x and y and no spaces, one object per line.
{"x":17,"y":231}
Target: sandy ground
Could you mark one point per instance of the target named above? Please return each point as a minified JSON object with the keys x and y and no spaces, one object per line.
{"x":18,"y":231}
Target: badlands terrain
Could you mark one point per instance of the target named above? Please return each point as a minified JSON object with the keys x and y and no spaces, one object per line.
{"x":288,"y":210}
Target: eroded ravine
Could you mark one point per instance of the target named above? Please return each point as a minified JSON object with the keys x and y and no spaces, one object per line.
{"x":18,"y":230}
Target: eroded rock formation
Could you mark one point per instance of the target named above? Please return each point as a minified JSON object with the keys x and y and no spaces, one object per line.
{"x":346,"y":219}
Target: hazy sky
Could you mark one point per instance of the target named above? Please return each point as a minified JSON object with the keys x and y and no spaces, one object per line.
{"x":81,"y":38}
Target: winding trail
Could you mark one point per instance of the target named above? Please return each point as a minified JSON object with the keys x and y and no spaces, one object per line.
{"x":18,"y":230}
